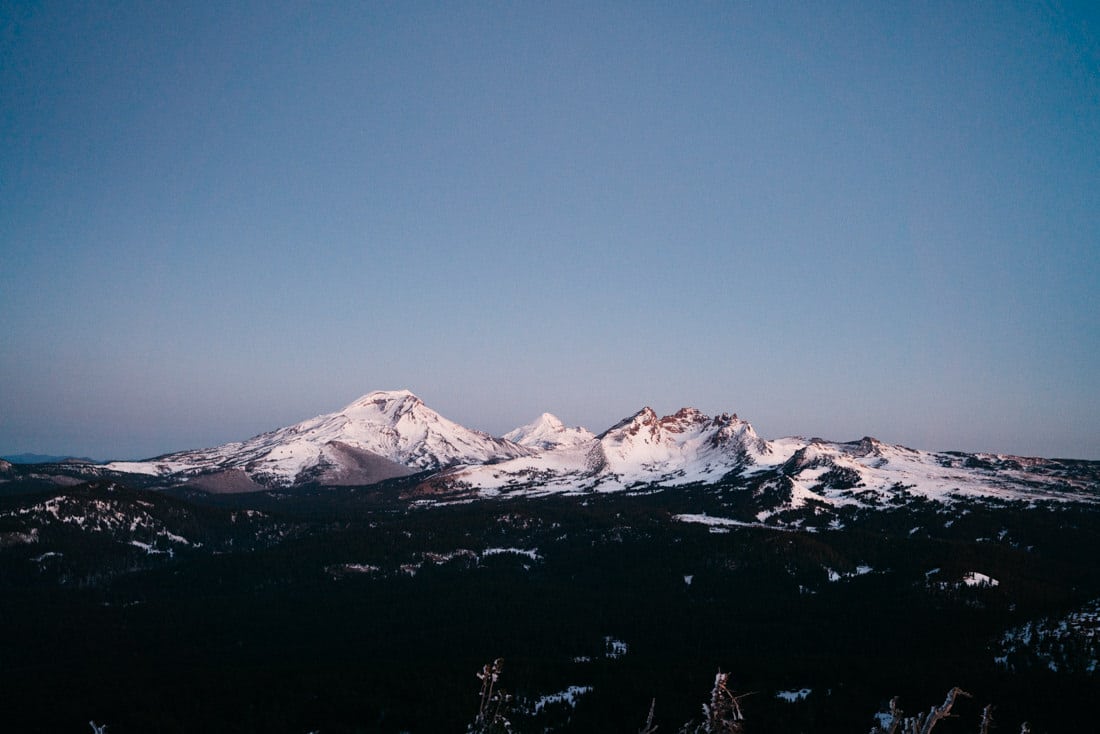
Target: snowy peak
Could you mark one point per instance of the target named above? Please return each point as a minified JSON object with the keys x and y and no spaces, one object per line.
{"x":397,"y":425}
{"x":380,"y":428}
{"x":547,"y":433}
{"x":687,"y":443}
{"x":545,"y":423}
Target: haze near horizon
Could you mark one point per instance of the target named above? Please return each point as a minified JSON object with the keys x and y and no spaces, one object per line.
{"x":834,"y":221}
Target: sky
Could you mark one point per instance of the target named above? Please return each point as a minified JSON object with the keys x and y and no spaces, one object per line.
{"x":834,"y":219}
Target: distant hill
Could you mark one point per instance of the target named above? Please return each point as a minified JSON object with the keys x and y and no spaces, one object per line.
{"x":46,"y":459}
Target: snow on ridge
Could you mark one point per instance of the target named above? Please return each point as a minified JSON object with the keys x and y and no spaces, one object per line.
{"x":722,"y":522}
{"x":532,"y":553}
{"x":102,"y":516}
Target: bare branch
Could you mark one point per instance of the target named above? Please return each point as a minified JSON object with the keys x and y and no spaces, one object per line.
{"x":987,"y":719}
{"x":493,"y":709}
{"x":936,"y":714}
{"x":921,"y":723}
{"x":649,"y":727}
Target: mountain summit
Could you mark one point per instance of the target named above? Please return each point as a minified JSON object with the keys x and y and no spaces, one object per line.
{"x":686,"y":443}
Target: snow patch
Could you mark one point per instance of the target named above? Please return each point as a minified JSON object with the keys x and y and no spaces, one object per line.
{"x":973,"y":578}
{"x":792,"y":696}
{"x":47,"y":554}
{"x":614,"y":649}
{"x":568,"y":697}
{"x":149,"y":548}
{"x":860,"y":571}
{"x":532,"y":553}
{"x":722,"y":522}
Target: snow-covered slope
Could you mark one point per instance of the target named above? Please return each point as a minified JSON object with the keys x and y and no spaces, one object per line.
{"x":381,"y":435}
{"x":871,"y":473}
{"x":686,"y":446}
{"x":682,"y":448}
{"x":689,"y":447}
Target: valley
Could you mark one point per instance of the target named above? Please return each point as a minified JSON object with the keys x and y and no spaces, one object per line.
{"x":347,"y":611}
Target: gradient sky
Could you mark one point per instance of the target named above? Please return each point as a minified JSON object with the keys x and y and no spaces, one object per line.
{"x":833,"y":219}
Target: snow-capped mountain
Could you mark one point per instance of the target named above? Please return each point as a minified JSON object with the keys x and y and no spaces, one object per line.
{"x":683,"y":447}
{"x":381,"y":435}
{"x":870,"y":473}
{"x":689,"y":447}
{"x":547,"y":432}
{"x":390,"y":434}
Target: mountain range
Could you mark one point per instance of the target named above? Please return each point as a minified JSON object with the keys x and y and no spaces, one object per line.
{"x":392,"y":434}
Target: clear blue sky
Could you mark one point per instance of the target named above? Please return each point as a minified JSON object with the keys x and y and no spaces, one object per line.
{"x":833,"y":219}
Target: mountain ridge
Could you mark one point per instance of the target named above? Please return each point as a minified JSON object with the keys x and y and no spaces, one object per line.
{"x":387,"y":434}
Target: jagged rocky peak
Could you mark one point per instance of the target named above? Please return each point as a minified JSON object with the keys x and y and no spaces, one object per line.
{"x":868,"y":446}
{"x":682,"y":419}
{"x":729,"y":430}
{"x":693,"y":418}
{"x":634,"y":423}
{"x":686,"y":424}
{"x":686,"y":420}
{"x":812,"y":455}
